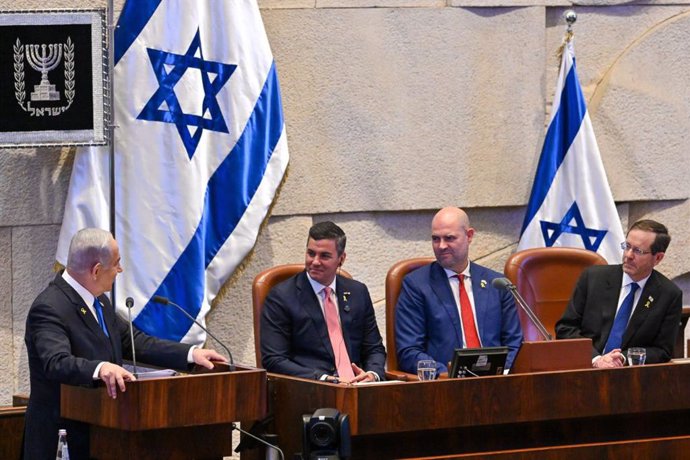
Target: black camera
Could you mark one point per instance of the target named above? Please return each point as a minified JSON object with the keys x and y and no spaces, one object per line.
{"x":326,"y":435}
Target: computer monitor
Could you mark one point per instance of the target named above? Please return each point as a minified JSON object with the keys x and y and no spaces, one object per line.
{"x":475,"y":362}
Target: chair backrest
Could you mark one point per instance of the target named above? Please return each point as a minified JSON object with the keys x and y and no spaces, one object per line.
{"x":262,"y":285}
{"x":546,"y":278}
{"x":394,"y":280}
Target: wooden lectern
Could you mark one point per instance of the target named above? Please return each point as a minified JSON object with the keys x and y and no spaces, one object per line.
{"x":180,"y":417}
{"x":554,"y":355}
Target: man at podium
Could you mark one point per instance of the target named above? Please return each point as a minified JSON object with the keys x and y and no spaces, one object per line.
{"x":74,"y":336}
{"x":627,"y":305}
{"x":318,"y":324}
{"x":451,"y":303}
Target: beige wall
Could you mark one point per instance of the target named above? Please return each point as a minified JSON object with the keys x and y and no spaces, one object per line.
{"x":395,"y":108}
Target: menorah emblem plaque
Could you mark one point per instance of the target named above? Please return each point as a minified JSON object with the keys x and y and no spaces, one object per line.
{"x":44,"y":58}
{"x":54,"y":78}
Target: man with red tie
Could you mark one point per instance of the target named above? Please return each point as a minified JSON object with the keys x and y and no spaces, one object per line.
{"x":451,"y":302}
{"x":318,"y":324}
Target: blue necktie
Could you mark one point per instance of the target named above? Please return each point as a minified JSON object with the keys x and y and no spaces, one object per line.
{"x":99,"y":312}
{"x":621,"y":322}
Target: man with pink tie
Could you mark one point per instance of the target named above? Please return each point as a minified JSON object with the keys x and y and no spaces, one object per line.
{"x":318,"y":324}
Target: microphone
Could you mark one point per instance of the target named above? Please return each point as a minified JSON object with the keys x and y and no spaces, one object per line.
{"x":166,"y":301}
{"x":130,"y":303}
{"x":262,"y":441}
{"x":504,"y":283}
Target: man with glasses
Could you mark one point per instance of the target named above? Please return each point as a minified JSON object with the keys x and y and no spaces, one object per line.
{"x":627,"y":305}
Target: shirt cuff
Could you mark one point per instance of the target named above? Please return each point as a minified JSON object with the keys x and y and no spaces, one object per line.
{"x":190,"y":354}
{"x":98,"y":369}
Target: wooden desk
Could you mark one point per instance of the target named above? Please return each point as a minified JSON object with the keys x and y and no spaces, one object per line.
{"x":11,"y":432}
{"x":675,"y":447}
{"x":488,"y":414}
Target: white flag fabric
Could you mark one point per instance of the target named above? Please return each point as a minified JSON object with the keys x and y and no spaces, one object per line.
{"x":571,"y":204}
{"x":200,"y":150}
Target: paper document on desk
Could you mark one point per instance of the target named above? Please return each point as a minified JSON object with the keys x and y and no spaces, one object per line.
{"x":145,"y":373}
{"x":377,"y":383}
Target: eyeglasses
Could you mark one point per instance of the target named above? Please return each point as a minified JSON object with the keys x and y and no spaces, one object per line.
{"x":637,"y":251}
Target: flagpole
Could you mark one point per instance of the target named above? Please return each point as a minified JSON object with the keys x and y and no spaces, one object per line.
{"x":111,"y":121}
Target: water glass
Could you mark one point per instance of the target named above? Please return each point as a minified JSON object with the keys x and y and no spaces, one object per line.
{"x":636,"y":356}
{"x":426,"y":369}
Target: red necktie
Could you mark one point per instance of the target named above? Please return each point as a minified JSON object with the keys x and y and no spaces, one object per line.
{"x":342,"y":360}
{"x":471,"y":336}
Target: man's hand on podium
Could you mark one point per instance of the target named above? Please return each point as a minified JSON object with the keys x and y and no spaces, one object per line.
{"x":206,"y":358}
{"x":361,"y":376}
{"x":114,"y":377}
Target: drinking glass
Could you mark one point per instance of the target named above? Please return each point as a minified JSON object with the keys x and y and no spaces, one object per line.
{"x":426,"y":369}
{"x":636,"y":356}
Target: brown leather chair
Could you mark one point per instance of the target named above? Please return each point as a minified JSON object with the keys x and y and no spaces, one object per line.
{"x":262,"y":285}
{"x":546,"y":278}
{"x":394,"y":280}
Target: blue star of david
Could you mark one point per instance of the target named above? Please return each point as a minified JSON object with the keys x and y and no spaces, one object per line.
{"x":591,"y":238}
{"x":164,"y":105}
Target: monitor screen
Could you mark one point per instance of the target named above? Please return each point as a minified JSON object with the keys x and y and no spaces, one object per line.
{"x":474,"y":362}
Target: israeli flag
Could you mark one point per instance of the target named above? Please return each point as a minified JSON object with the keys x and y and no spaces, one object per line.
{"x":571,"y":204}
{"x":200,"y":150}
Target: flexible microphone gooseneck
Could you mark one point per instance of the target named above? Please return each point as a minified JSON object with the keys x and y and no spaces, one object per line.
{"x":246,"y":433}
{"x":165,"y":301}
{"x":504,"y":283}
{"x":130,"y":303}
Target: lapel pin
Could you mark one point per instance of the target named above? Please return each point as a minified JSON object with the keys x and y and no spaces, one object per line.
{"x":345,"y":295}
{"x":648,"y":304}
{"x":83,"y":310}
{"x":482,"y":283}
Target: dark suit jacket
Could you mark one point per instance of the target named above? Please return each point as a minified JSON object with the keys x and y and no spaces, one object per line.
{"x":65,"y":343}
{"x":427,"y":322}
{"x":592,"y":309}
{"x":294,"y":335}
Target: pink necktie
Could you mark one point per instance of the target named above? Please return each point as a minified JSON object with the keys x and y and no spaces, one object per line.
{"x":342,"y":360}
{"x":471,"y":336}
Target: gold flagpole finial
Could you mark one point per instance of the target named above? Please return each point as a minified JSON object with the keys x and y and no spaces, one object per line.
{"x":570,"y":17}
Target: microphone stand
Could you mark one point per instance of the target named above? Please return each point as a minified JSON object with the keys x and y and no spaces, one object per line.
{"x":130,"y":303}
{"x":246,"y":433}
{"x":504,"y":283}
{"x":166,"y":301}
{"x":523,"y":304}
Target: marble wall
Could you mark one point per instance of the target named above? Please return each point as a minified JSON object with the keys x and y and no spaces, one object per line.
{"x":395,"y":108}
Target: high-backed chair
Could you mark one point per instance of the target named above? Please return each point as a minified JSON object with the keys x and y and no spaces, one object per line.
{"x":546,"y":278}
{"x":394,"y":280}
{"x":262,"y":285}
